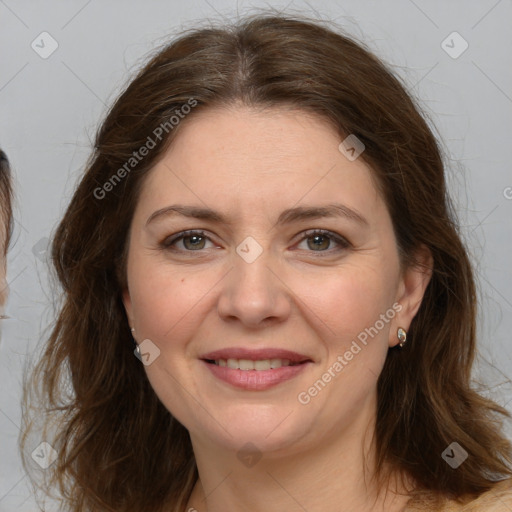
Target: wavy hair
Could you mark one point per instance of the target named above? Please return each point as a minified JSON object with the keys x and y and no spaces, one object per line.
{"x":118,"y":447}
{"x":5,"y":201}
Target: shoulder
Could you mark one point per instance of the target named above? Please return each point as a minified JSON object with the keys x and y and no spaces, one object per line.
{"x":496,"y":499}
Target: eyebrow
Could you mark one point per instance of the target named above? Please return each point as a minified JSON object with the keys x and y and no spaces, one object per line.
{"x":288,"y":216}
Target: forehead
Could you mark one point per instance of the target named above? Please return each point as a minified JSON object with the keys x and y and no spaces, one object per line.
{"x":249,"y":159}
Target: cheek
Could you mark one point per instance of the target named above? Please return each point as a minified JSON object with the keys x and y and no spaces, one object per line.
{"x":347,"y":301}
{"x":166,"y":299}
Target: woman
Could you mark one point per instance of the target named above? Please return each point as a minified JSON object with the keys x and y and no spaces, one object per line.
{"x":265,"y":218}
{"x":5,"y":224}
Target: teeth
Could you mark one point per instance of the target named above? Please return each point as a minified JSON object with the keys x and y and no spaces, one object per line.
{"x":262,"y":365}
{"x":233,"y":363}
{"x":247,"y":364}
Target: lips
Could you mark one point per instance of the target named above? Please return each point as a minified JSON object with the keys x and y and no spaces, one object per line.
{"x":255,"y":370}
{"x":255,"y":355}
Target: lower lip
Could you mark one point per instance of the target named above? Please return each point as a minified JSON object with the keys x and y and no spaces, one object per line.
{"x":255,"y":380}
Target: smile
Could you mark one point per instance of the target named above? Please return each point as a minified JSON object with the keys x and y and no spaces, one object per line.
{"x":255,"y":370}
{"x":248,"y":364}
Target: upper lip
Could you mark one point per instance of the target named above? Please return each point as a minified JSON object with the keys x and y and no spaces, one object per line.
{"x":255,"y":354}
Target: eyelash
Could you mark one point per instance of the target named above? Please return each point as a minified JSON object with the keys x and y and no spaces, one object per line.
{"x":168,"y":242}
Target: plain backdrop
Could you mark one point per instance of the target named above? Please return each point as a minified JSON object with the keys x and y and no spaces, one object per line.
{"x":50,"y":106}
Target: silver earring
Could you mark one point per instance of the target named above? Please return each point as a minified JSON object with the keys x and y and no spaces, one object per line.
{"x":136,"y":344}
{"x":402,"y":336}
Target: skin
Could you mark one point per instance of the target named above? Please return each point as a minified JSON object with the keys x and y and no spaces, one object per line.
{"x":250,"y":165}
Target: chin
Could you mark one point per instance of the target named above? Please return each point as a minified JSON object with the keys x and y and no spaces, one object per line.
{"x":269,"y":430}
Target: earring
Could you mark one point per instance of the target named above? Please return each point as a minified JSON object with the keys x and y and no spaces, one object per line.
{"x":402,"y":336}
{"x":136,"y":344}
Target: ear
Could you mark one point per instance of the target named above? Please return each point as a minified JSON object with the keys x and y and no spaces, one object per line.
{"x":411,"y":289}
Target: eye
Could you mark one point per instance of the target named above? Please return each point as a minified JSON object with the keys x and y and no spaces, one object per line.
{"x":317,"y":240}
{"x":320,"y":240}
{"x":191,"y":241}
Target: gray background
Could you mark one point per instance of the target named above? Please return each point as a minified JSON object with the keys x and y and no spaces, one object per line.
{"x":49,"y":110}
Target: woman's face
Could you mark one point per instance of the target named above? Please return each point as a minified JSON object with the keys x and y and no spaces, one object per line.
{"x":251,"y":285}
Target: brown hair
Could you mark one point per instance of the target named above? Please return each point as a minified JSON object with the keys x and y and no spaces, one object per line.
{"x":118,"y":447}
{"x":5,"y":201}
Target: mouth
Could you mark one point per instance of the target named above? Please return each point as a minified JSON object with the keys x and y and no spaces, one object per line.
{"x":261,"y":359}
{"x":257,"y":365}
{"x":255,"y":370}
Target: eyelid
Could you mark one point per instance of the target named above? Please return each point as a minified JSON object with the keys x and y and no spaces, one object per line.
{"x":168,"y":241}
{"x":342,"y":242}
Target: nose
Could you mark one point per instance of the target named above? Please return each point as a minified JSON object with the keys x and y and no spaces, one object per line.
{"x":254,"y":294}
